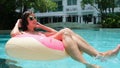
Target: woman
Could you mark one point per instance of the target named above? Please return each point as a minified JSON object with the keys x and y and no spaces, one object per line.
{"x":73,"y":43}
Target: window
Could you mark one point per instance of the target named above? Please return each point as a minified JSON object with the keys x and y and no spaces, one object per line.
{"x":60,"y":7}
{"x":71,"y":2}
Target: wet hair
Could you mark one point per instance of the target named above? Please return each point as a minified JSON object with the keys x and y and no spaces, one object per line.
{"x":24,"y":22}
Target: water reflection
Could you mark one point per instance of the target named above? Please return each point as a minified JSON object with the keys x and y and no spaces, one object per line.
{"x":7,"y":63}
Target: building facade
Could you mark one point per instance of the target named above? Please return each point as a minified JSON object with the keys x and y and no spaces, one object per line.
{"x":70,"y":11}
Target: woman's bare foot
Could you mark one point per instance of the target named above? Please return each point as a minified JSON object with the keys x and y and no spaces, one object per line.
{"x":108,"y":54}
{"x":113,"y":52}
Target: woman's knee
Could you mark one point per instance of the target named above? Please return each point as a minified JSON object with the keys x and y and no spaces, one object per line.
{"x":69,"y":30}
{"x":66,"y":34}
{"x":62,"y":31}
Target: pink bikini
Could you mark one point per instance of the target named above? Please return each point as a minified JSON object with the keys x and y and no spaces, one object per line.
{"x":47,"y":41}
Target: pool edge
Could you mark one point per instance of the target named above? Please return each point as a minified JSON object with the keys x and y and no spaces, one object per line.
{"x":5,"y":31}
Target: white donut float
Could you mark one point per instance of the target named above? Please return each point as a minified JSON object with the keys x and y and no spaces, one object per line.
{"x":29,"y":48}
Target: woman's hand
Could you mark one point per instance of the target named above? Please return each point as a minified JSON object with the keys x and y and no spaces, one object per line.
{"x":46,"y":28}
{"x":38,"y":25}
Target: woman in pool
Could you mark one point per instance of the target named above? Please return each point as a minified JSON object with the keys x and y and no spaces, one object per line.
{"x":73,"y":43}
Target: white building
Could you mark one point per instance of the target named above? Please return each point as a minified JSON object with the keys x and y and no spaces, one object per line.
{"x":70,"y":11}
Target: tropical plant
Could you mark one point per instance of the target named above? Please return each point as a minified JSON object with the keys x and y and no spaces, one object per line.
{"x":103,"y":6}
{"x":8,"y":8}
{"x":106,"y":9}
{"x":7,"y":13}
{"x":112,"y":21}
{"x":40,"y":5}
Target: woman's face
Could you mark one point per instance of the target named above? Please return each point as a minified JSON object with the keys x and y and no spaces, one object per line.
{"x":32,"y":22}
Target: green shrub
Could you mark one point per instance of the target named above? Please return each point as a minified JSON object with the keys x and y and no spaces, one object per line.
{"x":111,"y":21}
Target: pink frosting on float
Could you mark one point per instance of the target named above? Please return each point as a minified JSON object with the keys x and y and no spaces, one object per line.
{"x":47,"y":41}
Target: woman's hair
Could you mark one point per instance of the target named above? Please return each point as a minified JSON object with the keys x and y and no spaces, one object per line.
{"x":24,"y":21}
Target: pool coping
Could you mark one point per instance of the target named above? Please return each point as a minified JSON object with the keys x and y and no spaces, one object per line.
{"x":5,"y":31}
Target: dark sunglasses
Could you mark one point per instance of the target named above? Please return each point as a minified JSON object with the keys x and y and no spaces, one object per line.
{"x":32,"y":17}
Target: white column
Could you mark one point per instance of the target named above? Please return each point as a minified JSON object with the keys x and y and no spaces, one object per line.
{"x":64,"y":19}
{"x":64,"y":3}
{"x":82,"y":20}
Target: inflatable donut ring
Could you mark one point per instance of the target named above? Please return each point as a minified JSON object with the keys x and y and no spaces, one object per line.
{"x":29,"y":48}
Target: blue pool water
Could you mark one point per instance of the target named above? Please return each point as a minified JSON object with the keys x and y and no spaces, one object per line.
{"x":102,"y":40}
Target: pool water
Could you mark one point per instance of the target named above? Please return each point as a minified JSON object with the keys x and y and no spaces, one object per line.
{"x":102,"y":40}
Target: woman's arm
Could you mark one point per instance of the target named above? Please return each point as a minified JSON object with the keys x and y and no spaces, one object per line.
{"x":49,"y":31}
{"x":46,"y":28}
{"x":15,"y":31}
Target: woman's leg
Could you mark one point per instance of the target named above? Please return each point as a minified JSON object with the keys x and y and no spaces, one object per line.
{"x":113,"y":52}
{"x":86,"y":47}
{"x":70,"y":45}
{"x":73,"y":50}
{"x":83,"y":45}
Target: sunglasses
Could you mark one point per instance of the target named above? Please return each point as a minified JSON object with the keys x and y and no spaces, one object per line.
{"x":32,"y":17}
